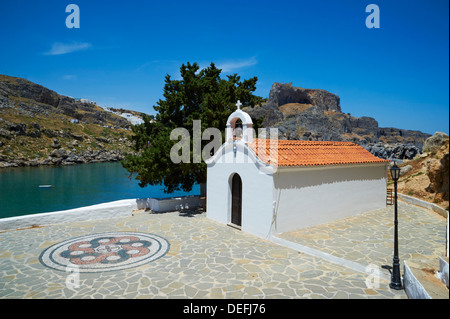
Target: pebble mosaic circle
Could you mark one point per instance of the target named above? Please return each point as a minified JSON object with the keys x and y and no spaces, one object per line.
{"x":105,"y":252}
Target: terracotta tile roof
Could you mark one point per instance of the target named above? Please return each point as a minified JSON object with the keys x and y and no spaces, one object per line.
{"x":311,"y":153}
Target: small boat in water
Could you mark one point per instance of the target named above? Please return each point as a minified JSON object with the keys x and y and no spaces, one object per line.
{"x":46,"y":186}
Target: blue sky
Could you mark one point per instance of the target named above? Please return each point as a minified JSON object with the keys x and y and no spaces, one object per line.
{"x":398,"y":73}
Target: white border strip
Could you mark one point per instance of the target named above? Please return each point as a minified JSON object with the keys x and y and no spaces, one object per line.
{"x":320,"y":254}
{"x":120,"y":208}
{"x":415,"y":201}
{"x":413,"y":287}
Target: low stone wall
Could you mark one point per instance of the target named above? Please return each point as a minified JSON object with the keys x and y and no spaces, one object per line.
{"x":431,"y":206}
{"x":421,"y":203}
{"x":161,"y":205}
{"x":413,"y":287}
{"x":443,"y":271}
{"x":121,"y":208}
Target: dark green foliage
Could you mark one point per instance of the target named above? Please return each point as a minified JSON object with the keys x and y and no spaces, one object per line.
{"x":199,"y":95}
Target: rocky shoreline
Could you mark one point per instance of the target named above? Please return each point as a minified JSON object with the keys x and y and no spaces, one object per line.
{"x":41,"y":127}
{"x":31,"y":145}
{"x":70,"y":151}
{"x":63,"y":158}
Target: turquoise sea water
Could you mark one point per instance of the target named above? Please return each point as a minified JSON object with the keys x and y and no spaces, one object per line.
{"x":74,"y":186}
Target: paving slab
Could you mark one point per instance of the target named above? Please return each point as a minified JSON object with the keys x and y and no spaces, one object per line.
{"x":205,"y":259}
{"x":368,"y":238}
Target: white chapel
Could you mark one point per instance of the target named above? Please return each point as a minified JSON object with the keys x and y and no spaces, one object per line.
{"x":270,"y":186}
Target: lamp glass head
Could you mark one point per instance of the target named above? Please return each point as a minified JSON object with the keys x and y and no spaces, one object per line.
{"x":395,"y":172}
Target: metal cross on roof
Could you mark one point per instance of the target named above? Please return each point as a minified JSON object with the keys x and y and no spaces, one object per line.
{"x":239,"y":104}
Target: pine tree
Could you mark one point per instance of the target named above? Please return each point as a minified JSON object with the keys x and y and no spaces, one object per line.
{"x":199,"y":95}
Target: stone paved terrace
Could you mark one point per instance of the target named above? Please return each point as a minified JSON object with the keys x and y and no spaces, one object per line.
{"x":421,"y":232}
{"x":211,"y":260}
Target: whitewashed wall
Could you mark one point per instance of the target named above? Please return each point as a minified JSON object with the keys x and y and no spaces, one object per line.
{"x":311,"y":196}
{"x":301,"y":197}
{"x":257,"y":191}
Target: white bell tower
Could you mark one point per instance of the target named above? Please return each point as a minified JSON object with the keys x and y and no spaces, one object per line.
{"x":247,"y":125}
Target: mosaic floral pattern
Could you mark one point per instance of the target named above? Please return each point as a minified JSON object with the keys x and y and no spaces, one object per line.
{"x":105,"y":252}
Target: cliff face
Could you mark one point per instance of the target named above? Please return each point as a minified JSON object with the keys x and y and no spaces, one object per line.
{"x":311,"y":114}
{"x":40,"y":127}
{"x":36,"y":100}
{"x":427,"y":175}
{"x":282,"y":94}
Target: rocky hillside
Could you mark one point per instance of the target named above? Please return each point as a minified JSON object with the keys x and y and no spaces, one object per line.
{"x":312,"y":114}
{"x":427,"y":175}
{"x":40,"y":127}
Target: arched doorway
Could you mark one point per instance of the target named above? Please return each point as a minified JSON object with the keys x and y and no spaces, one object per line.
{"x":236,"y":200}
